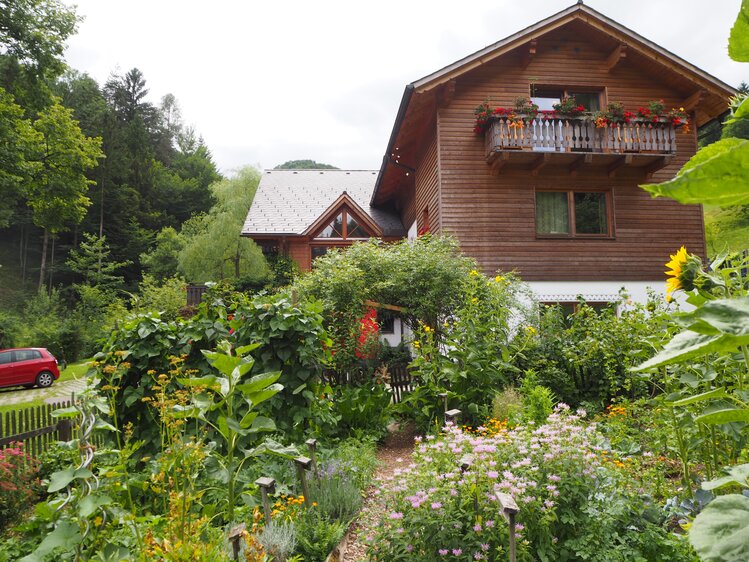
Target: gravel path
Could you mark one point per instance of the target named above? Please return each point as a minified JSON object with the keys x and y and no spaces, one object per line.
{"x":58,"y":392}
{"x":395,"y":453}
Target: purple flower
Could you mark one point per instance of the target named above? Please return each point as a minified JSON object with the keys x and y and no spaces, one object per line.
{"x":477,"y":527}
{"x":410,"y":548}
{"x":396,"y":515}
{"x":443,"y":551}
{"x":457,"y":551}
{"x":436,"y":505}
{"x":484,"y":546}
{"x":489,"y":523}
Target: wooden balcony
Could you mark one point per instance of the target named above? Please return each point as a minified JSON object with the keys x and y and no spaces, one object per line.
{"x":578,"y":142}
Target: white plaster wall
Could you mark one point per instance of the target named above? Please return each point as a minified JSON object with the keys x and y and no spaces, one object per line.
{"x":413,"y":231}
{"x":395,"y":338}
{"x":600,"y":291}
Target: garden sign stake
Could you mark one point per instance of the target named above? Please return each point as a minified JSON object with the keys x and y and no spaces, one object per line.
{"x":312,"y":445}
{"x":452,"y":416}
{"x":234,"y":535}
{"x":267,"y":486}
{"x":302,"y":465}
{"x":509,"y":510}
{"x":443,"y":395}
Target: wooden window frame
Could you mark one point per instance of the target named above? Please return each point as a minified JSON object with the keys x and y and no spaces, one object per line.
{"x":345,"y":212}
{"x":609,"y":235}
{"x":566,"y":89}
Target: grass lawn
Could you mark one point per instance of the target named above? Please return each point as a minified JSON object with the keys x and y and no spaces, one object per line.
{"x":74,"y":371}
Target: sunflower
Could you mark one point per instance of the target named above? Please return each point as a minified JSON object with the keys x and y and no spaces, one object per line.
{"x":676,"y":266}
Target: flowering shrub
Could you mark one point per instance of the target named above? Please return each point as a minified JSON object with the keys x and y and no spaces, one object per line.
{"x":573,"y":503}
{"x":18,"y":482}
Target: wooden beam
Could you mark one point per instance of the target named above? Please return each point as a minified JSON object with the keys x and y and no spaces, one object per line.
{"x":617,"y":56}
{"x":539,"y":163}
{"x":691,"y":103}
{"x":375,"y":304}
{"x":499,"y":162}
{"x":529,"y":51}
{"x":446,"y":93}
{"x":658,"y":164}
{"x":618,"y":163}
{"x":577,"y":164}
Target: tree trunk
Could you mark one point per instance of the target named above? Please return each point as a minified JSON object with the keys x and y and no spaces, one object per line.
{"x":236,"y":263}
{"x":43,"y":265}
{"x":51,"y":265}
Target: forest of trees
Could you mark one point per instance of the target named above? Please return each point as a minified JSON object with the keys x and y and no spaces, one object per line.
{"x":109,"y":200}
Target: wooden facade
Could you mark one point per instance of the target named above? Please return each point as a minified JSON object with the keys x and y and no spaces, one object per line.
{"x":482,"y":189}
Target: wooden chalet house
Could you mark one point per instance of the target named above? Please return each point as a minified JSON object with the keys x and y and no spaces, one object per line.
{"x":551,"y":194}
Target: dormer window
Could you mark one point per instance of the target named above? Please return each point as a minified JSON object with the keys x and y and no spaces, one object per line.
{"x":343,"y":227}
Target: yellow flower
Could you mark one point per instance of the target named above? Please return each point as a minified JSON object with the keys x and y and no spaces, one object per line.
{"x":416,"y":344}
{"x":530,"y":330}
{"x":676,"y":266}
{"x":427,"y":329}
{"x":498,"y":278}
{"x":681,"y":109}
{"x":473,"y":273}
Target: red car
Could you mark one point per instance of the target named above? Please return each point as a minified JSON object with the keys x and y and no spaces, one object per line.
{"x":28,"y":367}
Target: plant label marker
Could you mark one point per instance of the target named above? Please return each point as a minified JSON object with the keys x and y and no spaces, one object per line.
{"x":303,"y":464}
{"x":234,"y":536}
{"x":452,"y":416}
{"x":509,"y":510}
{"x":267,"y":486}
{"x":312,"y":446}
{"x":443,"y":395}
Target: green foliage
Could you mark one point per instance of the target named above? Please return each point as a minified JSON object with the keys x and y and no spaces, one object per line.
{"x":57,"y":194}
{"x":337,"y":496}
{"x":291,"y":337}
{"x":738,"y":41}
{"x":227,"y":403}
{"x":92,"y":261}
{"x":304,"y":165}
{"x":507,"y":406}
{"x":363,"y":408}
{"x":585,"y":357}
{"x":278,"y":540}
{"x":317,"y":536}
{"x":538,"y":401}
{"x":213,"y":250}
{"x":719,"y":533}
{"x":162,"y":261}
{"x":166,"y":296}
{"x":468,"y":355}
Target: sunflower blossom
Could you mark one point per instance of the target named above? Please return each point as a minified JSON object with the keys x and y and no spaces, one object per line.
{"x":676,"y":266}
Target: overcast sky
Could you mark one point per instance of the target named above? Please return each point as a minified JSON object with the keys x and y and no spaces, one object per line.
{"x":269,"y":81}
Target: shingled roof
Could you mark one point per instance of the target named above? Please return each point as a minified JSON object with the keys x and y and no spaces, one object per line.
{"x":287,"y":202}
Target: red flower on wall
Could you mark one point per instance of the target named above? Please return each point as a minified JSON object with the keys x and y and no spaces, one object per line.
{"x":368,"y":340}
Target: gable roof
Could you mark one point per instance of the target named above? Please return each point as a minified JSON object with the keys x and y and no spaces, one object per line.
{"x":717,"y":92}
{"x":289,"y":202}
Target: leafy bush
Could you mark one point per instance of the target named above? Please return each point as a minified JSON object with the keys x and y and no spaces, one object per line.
{"x":18,"y":482}
{"x":166,"y":297}
{"x":538,"y":401}
{"x":317,"y":536}
{"x":8,"y":329}
{"x":586,"y":357}
{"x":468,"y":355}
{"x":574,"y":503}
{"x":363,"y":408}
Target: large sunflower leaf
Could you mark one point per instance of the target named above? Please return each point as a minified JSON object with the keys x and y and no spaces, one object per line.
{"x":721,"y":180}
{"x":719,"y":533}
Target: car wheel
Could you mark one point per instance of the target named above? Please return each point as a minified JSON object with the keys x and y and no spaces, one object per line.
{"x":44,"y":379}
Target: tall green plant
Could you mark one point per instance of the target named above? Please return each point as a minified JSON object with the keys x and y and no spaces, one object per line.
{"x":720,"y":322}
{"x":228,"y":406}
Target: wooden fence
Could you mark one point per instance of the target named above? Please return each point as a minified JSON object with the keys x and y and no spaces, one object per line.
{"x":400,"y":381}
{"x":36,"y":427}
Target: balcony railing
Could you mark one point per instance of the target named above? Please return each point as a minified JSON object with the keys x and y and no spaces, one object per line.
{"x":579,"y":135}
